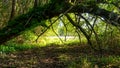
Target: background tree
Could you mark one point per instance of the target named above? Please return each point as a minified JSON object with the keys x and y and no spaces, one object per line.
{"x":13,"y":10}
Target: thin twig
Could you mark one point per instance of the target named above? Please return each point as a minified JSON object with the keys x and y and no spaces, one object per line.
{"x":77,"y":30}
{"x":96,"y":36}
{"x":47,"y":28}
{"x":65,"y":29}
{"x":57,"y":35}
{"x":55,"y":32}
{"x":79,"y":35}
{"x":28,"y":20}
{"x":82,"y":30}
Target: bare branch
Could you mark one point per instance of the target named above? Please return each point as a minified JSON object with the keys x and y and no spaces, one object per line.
{"x":48,"y":27}
{"x":56,"y":33}
{"x":65,"y":28}
{"x":82,"y":30}
{"x":96,"y":36}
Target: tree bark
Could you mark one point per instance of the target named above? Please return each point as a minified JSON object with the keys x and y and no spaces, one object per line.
{"x":35,"y":3}
{"x":13,"y":10}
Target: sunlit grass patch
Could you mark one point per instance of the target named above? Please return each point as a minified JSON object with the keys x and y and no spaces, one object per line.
{"x":7,"y":49}
{"x":12,"y":47}
{"x":58,"y":40}
{"x":42,"y":42}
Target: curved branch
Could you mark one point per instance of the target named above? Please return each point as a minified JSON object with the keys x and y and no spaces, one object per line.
{"x":82,"y":30}
{"x":110,"y":16}
{"x":16,"y":26}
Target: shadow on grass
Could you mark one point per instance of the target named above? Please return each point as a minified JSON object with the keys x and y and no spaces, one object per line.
{"x":61,"y":56}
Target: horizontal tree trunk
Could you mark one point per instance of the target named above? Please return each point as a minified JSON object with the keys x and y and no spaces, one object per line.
{"x":33,"y":18}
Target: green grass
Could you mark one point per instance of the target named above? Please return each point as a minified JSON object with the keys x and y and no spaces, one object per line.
{"x":95,"y":62}
{"x":15,"y":47}
{"x":70,"y":54}
{"x":42,"y":42}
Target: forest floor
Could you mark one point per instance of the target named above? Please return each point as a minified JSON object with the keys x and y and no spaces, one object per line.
{"x":73,"y":56}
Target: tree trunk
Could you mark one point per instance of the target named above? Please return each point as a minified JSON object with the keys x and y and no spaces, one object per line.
{"x":38,"y":14}
{"x":13,"y":10}
{"x":35,"y":3}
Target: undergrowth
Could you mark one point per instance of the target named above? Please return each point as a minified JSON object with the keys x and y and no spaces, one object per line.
{"x":72,"y":54}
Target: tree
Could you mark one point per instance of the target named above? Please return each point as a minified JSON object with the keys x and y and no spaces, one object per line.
{"x":54,"y":8}
{"x":13,"y":10}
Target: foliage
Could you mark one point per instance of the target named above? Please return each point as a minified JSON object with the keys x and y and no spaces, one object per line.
{"x":29,"y":36}
{"x":35,"y":31}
